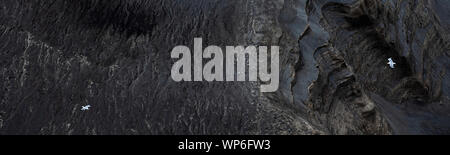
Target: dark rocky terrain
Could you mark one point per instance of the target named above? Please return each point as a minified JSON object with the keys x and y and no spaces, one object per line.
{"x":58,"y":55}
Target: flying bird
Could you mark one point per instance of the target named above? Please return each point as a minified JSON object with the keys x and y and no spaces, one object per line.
{"x":84,"y":108}
{"x":391,"y":63}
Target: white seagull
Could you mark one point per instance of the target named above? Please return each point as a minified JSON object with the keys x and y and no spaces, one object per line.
{"x":84,"y":108}
{"x":391,"y":63}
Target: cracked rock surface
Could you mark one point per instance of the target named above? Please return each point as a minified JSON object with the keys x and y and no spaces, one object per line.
{"x":59,"y":55}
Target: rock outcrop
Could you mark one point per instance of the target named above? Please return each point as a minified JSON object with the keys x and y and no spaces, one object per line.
{"x":58,"y":55}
